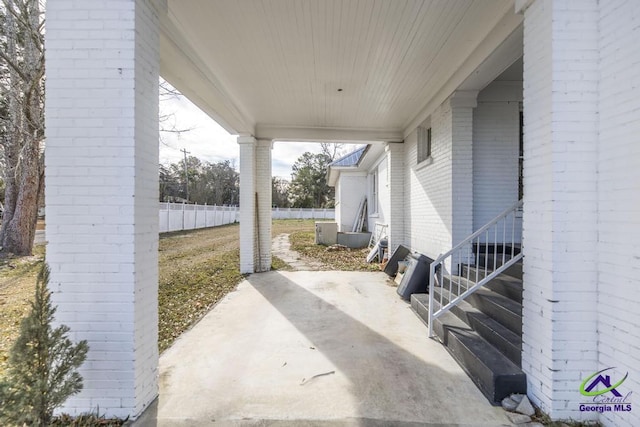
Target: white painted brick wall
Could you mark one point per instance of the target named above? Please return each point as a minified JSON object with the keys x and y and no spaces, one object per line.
{"x":263,"y":188}
{"x":619,"y":198}
{"x":255,"y":177}
{"x":496,"y":134}
{"x":462,"y":165}
{"x":560,"y":209}
{"x":247,"y":203}
{"x":428,"y":189}
{"x":438,"y":194}
{"x":146,"y":226}
{"x":102,"y":182}
{"x":380,"y":213}
{"x":397,"y":201}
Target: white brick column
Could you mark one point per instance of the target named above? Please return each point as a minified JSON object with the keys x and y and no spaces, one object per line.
{"x":396,"y":171}
{"x":619,"y":200}
{"x":263,"y":189}
{"x":255,"y":188}
{"x":462,"y":104}
{"x":560,"y":202}
{"x":102,"y":64}
{"x":247,"y":203}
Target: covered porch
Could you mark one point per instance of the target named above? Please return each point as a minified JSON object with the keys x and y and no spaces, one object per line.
{"x":362,"y":71}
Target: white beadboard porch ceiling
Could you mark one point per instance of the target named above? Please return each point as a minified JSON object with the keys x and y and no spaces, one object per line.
{"x":327,"y":69}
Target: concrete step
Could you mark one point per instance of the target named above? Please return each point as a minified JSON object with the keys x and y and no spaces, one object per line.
{"x":502,"y":309}
{"x":514,"y":271}
{"x":502,"y":338}
{"x":494,"y":374}
{"x":505,"y":285}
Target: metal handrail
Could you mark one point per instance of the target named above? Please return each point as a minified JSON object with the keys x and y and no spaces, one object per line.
{"x":437,"y":268}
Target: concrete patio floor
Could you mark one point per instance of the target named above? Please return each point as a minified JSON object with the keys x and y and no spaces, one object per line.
{"x":315,"y":348}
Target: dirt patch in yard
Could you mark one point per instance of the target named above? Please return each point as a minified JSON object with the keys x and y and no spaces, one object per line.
{"x":281,"y":249}
{"x":17,"y":286}
{"x":303,"y":242}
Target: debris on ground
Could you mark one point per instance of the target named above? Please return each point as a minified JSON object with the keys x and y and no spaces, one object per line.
{"x":525,"y":407}
{"x":336,"y":247}
{"x":508,"y":404}
{"x":519,"y":409}
{"x":305,"y":381}
{"x":517,"y":418}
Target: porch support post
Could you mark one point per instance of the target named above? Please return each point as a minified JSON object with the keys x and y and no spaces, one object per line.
{"x":255,"y":205}
{"x":102,"y":63}
{"x":462,"y":104}
{"x":560,"y":311}
{"x":397,"y":209}
{"x":263,"y":189}
{"x":247,"y":203}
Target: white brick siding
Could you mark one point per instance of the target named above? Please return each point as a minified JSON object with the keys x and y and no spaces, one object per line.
{"x":255,"y":178}
{"x":102,"y":186}
{"x":427,"y":190}
{"x":496,"y":134}
{"x":263,"y":188}
{"x":560,"y":210}
{"x":396,"y":195}
{"x":379,"y":213}
{"x":438,"y":192}
{"x":462,"y":104}
{"x":247,"y":203}
{"x":619,"y":198}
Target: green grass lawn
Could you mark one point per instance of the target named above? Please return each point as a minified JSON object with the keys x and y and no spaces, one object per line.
{"x":196,"y":269}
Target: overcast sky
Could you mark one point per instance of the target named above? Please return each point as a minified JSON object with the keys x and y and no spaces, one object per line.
{"x":208,"y":141}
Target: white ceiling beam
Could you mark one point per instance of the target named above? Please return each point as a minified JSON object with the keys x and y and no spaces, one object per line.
{"x":319,"y":134}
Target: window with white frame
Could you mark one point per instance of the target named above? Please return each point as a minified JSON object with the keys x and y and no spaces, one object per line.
{"x":424,"y":144}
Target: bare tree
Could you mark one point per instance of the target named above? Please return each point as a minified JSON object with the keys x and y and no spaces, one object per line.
{"x":331,"y":149}
{"x":22,"y":120}
{"x":167,"y":119}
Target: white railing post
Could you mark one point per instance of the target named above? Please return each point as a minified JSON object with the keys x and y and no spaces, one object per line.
{"x":432,"y":272}
{"x":440,"y":264}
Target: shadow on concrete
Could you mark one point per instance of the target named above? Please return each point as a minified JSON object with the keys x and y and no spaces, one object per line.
{"x":392,"y":385}
{"x":315,"y":349}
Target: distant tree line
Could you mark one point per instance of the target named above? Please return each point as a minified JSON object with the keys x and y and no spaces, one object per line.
{"x":196,"y":181}
{"x":200,"y":182}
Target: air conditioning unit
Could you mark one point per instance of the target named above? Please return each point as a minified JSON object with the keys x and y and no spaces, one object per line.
{"x":326,"y":233}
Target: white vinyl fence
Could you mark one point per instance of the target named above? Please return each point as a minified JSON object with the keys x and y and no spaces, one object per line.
{"x":181,"y":216}
{"x":303,"y":213}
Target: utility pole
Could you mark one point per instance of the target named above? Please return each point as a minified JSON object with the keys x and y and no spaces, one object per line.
{"x":186,"y":174}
